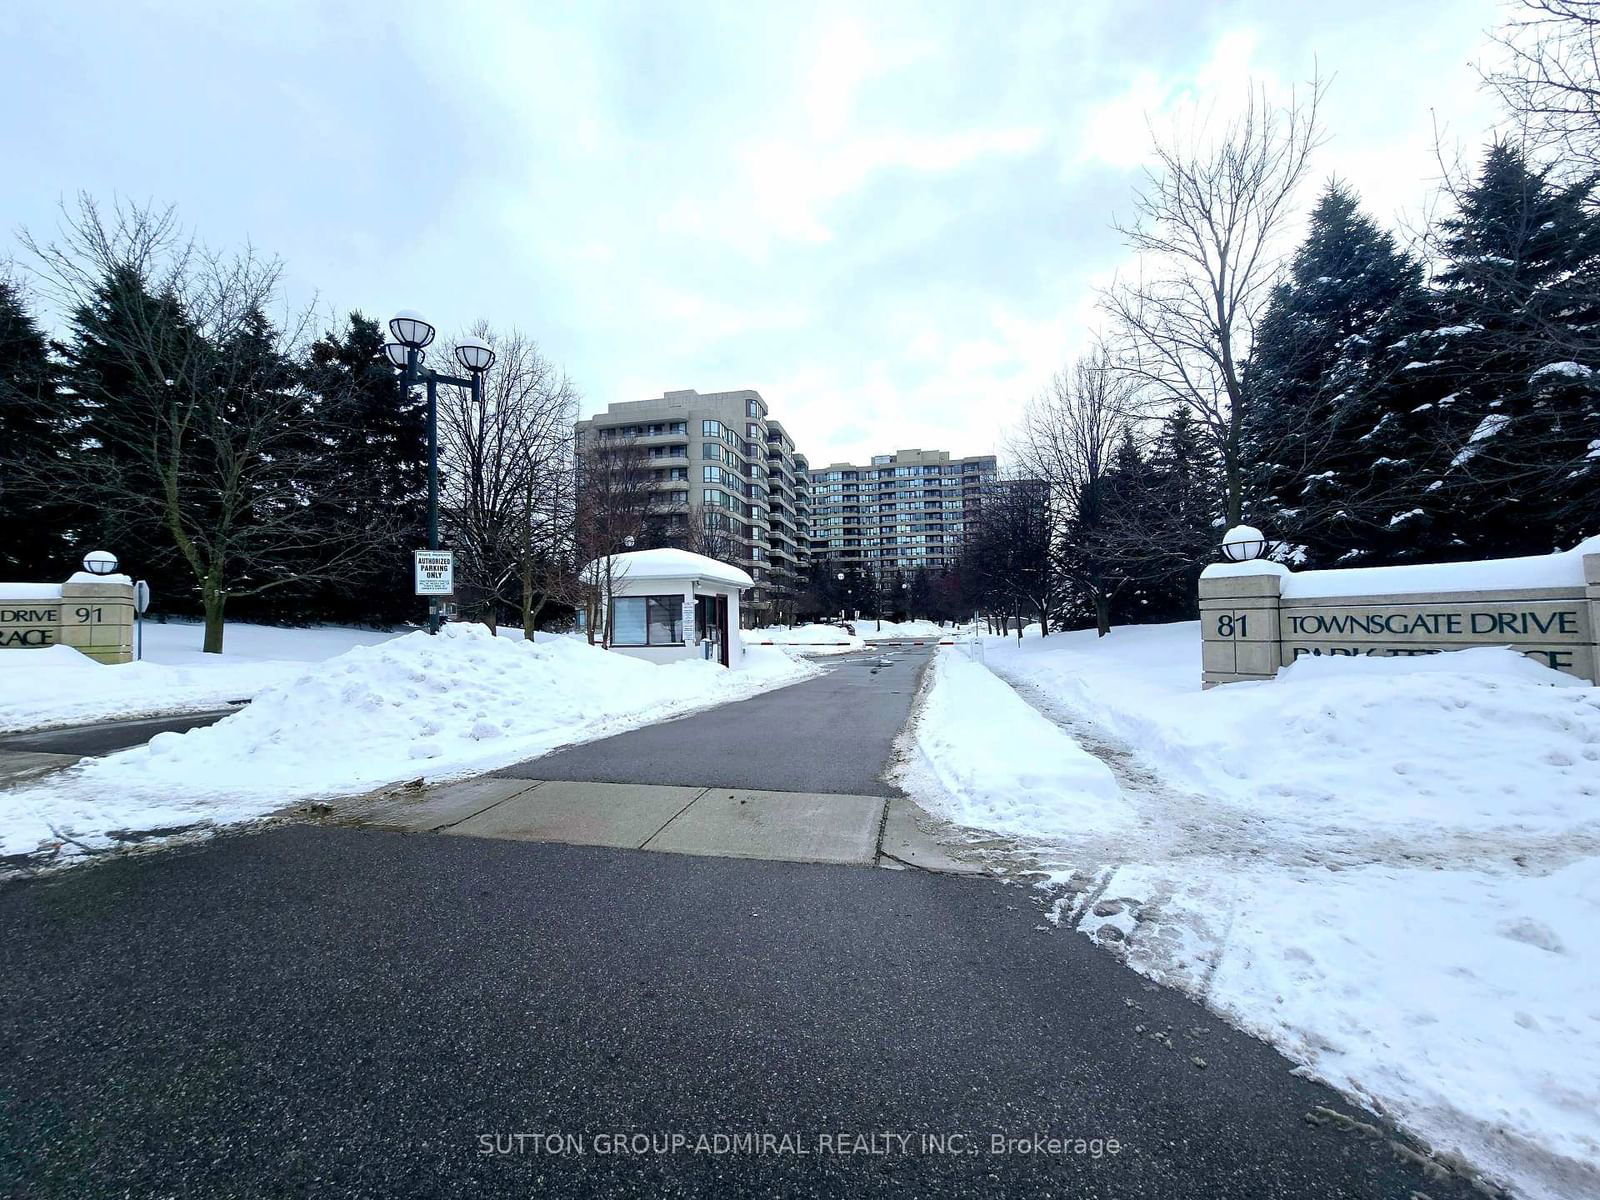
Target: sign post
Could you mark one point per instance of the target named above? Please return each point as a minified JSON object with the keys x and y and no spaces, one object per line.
{"x":141,"y":601}
{"x":435,"y":572}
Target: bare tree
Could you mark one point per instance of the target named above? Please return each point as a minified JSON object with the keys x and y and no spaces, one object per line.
{"x":1066,"y":442}
{"x":614,"y":491}
{"x":1549,"y":79}
{"x":192,"y":421}
{"x":504,"y":462}
{"x":1209,"y":230}
{"x":1010,"y":553}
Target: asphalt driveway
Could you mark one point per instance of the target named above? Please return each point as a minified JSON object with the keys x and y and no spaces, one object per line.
{"x":834,"y":733}
{"x":315,"y":1011}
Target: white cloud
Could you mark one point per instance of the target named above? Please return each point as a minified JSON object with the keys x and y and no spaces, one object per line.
{"x":889,"y":218}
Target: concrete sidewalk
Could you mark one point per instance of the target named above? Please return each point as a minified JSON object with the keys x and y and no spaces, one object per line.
{"x":852,"y":830}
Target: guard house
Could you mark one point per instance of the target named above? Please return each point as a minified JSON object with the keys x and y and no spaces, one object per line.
{"x":665,"y":605}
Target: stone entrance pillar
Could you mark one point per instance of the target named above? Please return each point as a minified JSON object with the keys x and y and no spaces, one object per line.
{"x":1239,"y":621}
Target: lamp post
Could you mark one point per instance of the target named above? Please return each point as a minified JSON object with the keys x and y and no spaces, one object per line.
{"x":100,"y":562}
{"x":1243,"y":543}
{"x":412,"y":334}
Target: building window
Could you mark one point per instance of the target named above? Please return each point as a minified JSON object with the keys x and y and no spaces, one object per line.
{"x":710,"y":429}
{"x":753,"y":407}
{"x":713,"y":475}
{"x":647,"y":621}
{"x":711,"y":450}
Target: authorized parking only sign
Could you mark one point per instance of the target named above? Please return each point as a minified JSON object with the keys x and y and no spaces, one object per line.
{"x":435,"y":572}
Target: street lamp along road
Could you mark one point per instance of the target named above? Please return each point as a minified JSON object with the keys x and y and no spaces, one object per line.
{"x":412,"y":334}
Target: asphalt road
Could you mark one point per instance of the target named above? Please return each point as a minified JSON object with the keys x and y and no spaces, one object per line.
{"x":834,"y":734}
{"x":327,"y":1012}
{"x":107,"y":736}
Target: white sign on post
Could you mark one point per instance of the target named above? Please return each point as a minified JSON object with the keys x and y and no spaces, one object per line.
{"x":436,"y":572}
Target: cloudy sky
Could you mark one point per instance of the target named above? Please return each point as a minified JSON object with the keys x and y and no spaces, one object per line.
{"x":889,"y":219}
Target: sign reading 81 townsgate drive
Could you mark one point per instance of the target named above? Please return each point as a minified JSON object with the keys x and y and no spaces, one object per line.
{"x":1257,"y":617}
{"x":435,"y":572}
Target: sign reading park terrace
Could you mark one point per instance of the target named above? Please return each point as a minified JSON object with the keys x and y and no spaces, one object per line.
{"x":1259,"y":616}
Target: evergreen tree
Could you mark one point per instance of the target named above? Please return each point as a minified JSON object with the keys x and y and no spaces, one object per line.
{"x":126,"y":349}
{"x":1160,"y":519}
{"x":919,"y":597}
{"x":1327,"y":433}
{"x":1188,"y":500}
{"x":378,"y":442}
{"x":36,"y":518}
{"x":1514,"y":364}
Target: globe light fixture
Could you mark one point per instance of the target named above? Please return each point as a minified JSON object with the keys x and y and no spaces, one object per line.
{"x":411,"y":329}
{"x":396,"y":354}
{"x":628,"y":541}
{"x":474,"y":355}
{"x":100,"y":562}
{"x":1243,"y":543}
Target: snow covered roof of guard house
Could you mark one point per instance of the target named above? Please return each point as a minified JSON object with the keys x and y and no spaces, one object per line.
{"x":666,"y":563}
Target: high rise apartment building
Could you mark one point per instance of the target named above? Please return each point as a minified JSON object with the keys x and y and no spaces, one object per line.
{"x":727,"y":479}
{"x":901,"y":512}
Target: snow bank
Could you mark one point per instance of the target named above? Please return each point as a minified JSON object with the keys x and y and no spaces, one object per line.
{"x":803,"y":635}
{"x":1482,"y":738}
{"x":59,"y":686}
{"x":454,"y":705}
{"x":981,"y":756}
{"x":814,"y":641}
{"x":898,"y":629}
{"x":1388,"y":866}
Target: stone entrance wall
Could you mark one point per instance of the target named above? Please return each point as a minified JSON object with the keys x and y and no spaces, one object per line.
{"x":1256,"y":617}
{"x":89,"y":614}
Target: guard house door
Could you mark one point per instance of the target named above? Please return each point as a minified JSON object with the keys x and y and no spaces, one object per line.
{"x":711,"y":623}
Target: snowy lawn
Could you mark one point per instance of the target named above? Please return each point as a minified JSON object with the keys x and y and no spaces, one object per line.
{"x":809,"y":639}
{"x":409,"y":707}
{"x":1389,"y":867}
{"x":59,"y":686}
{"x":898,"y":629}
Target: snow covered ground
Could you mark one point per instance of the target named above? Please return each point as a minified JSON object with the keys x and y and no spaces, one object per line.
{"x":808,"y":639}
{"x":898,"y":629}
{"x":403,"y":708}
{"x":59,"y":686}
{"x":1389,"y":867}
{"x":832,"y":639}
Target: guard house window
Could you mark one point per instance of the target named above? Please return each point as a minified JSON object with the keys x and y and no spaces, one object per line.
{"x":647,"y":621}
